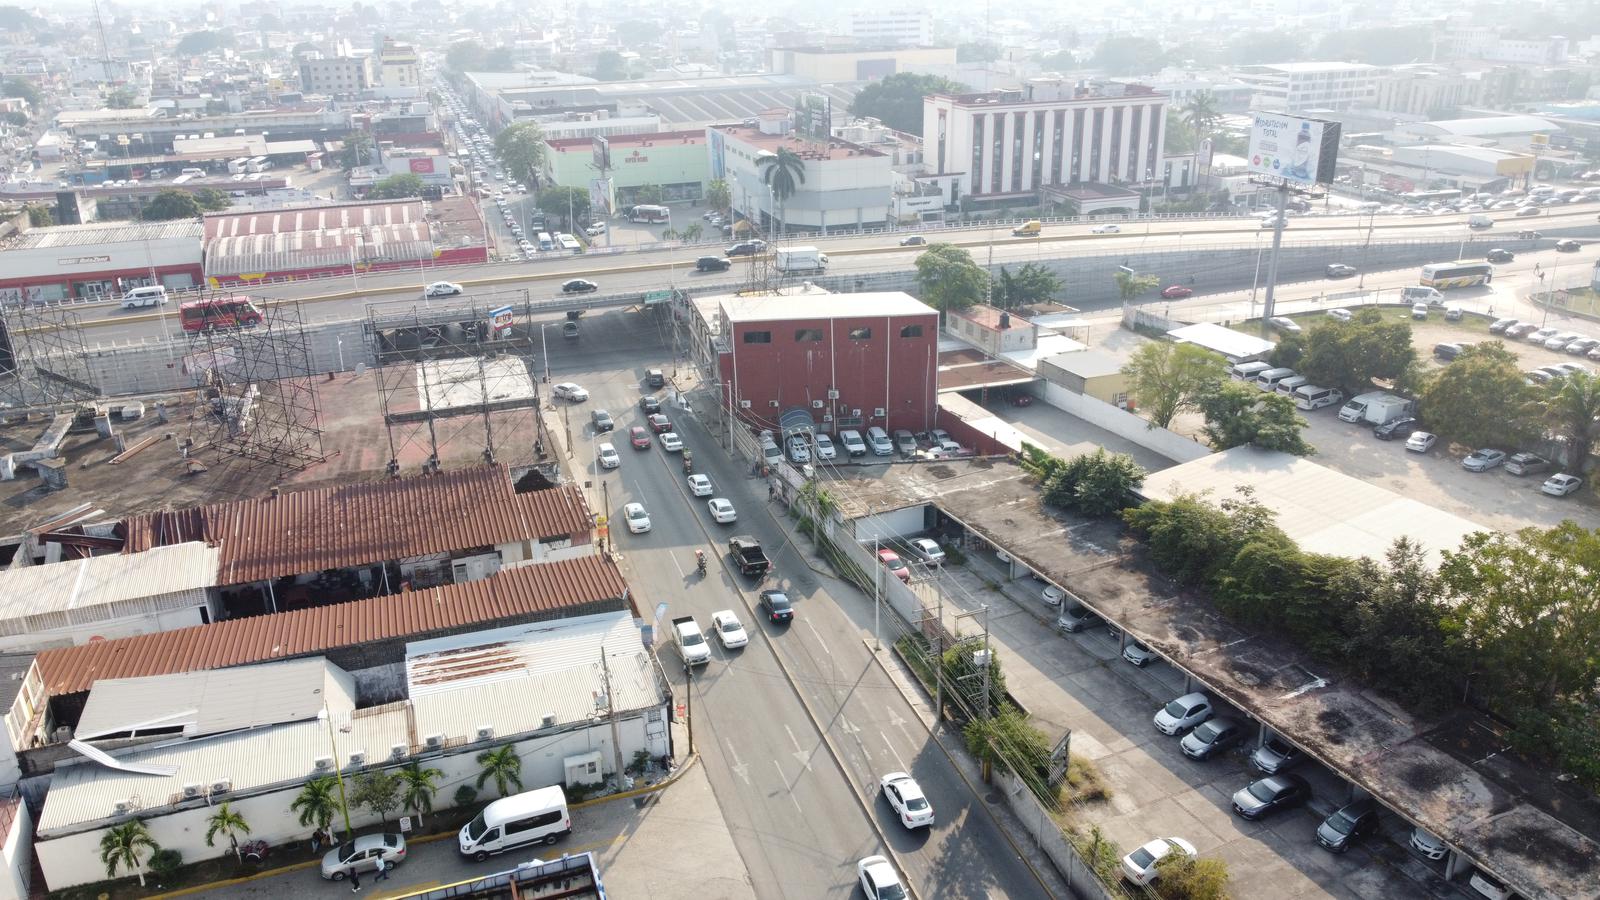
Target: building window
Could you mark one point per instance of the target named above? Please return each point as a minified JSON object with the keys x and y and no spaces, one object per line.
{"x":861,"y":334}
{"x":1038,"y":151}
{"x":1058,"y":163}
{"x":977,"y":151}
{"x":758,"y":337}
{"x":1131,"y":168}
{"x":1094,"y":145}
{"x":807,"y":335}
{"x":1116,"y":145}
{"x":1077,"y":145}
{"x":997,"y":124}
{"x":1019,"y":129}
{"x":911,"y":331}
{"x":1153,"y":148}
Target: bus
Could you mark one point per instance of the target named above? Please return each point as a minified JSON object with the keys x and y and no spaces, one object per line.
{"x":1441,"y":276}
{"x":227,"y":312}
{"x":1443,"y":196}
{"x":654,"y":215}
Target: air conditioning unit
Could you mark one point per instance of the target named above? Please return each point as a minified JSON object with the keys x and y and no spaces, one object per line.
{"x":358,"y":757}
{"x":772,"y":403}
{"x":191,"y":791}
{"x":323,"y":763}
{"x":549,"y":721}
{"x":222,"y":786}
{"x":125,"y":806}
{"x":744,"y":404}
{"x":856,"y":413}
{"x":833,"y":395}
{"x":878,"y":413}
{"x":827,"y":417}
{"x":816,"y":404}
{"x":485,"y":732}
{"x":433,"y":741}
{"x":399,"y":751}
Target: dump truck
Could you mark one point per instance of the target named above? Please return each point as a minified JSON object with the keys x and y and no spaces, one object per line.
{"x":746,"y":553}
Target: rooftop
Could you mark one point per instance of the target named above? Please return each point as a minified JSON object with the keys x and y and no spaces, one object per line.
{"x":1226,"y":341}
{"x":55,"y":595}
{"x":989,"y":317}
{"x":1305,"y":68}
{"x":823,"y":306}
{"x":195,"y":704}
{"x":685,"y":102}
{"x":835,"y":149}
{"x":1483,"y":126}
{"x":1054,"y":92}
{"x":318,"y":218}
{"x":1086,"y":363}
{"x":545,"y":590}
{"x":630,"y":141}
{"x":357,"y":524}
{"x":97,"y":234}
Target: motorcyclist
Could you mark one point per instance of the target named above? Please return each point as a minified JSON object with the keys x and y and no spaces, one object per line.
{"x":700,"y":561}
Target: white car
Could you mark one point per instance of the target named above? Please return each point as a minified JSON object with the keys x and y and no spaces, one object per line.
{"x":1138,"y":654}
{"x":878,"y":879}
{"x":638,"y":520}
{"x":1139,"y":866}
{"x":700,"y":485}
{"x":905,"y":795}
{"x":730,"y":631}
{"x":721,"y":510}
{"x":608,"y":457}
{"x":596,"y":228}
{"x":442,"y":289}
{"x":566,"y":390}
{"x":671,"y":443}
{"x":1340,"y":313}
{"x":1561,"y":485}
{"x":1053,"y":595}
{"x":1421,"y":441}
{"x":799,"y":451}
{"x":825,"y":448}
{"x":927,"y":550}
{"x":1105,"y":229}
{"x":1184,"y":713}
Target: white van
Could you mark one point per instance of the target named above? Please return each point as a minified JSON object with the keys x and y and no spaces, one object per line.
{"x":532,"y":817}
{"x":545,"y":243}
{"x":1247,"y":371}
{"x":1269,"y":378}
{"x":1479,"y":221}
{"x":853,"y":445}
{"x":1289,"y":385}
{"x":878,"y":440}
{"x":152,"y":295}
{"x":1419,"y":294}
{"x":1310,"y":396}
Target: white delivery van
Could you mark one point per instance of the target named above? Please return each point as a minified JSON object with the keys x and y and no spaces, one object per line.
{"x":532,"y":817}
{"x":1419,"y":294}
{"x":1269,"y":378}
{"x":1310,"y":396}
{"x":545,"y":241}
{"x":151,"y":295}
{"x":1247,"y":371}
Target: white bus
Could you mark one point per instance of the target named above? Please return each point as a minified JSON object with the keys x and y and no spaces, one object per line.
{"x":1465,"y":273}
{"x":654,"y":215}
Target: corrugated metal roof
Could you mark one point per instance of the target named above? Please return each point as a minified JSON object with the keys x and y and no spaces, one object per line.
{"x":516,"y":651}
{"x":265,"y":253}
{"x":98,"y":233}
{"x":320,"y":218}
{"x":512,"y":593}
{"x":360,"y":524}
{"x":202,"y":703}
{"x":105,"y":580}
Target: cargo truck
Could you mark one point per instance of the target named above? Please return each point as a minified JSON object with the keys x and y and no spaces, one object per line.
{"x":800,"y":260}
{"x":1375,"y":408}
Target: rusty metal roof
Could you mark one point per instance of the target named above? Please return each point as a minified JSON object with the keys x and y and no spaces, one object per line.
{"x":335,"y":527}
{"x":508,"y":595}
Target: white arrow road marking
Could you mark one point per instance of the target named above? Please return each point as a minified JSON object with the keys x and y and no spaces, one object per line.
{"x":799,"y":754}
{"x":785,"y":779}
{"x":738,"y":767}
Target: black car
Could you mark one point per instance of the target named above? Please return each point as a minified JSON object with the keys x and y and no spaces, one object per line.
{"x":1338,"y":831}
{"x":579,"y":286}
{"x":777,"y":606}
{"x":602,"y":420}
{"x":1210,"y":738}
{"x":649,"y":404}
{"x":1399,"y":428}
{"x":1568,"y":246}
{"x":1270,"y":794}
{"x":1276,"y":755}
{"x":746,"y":248}
{"x":1499,"y":256}
{"x":713,"y":264}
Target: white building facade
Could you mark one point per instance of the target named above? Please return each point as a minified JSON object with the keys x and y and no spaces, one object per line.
{"x":1297,"y":87}
{"x":1017,"y":143}
{"x":845,"y":185}
{"x":891,"y":27}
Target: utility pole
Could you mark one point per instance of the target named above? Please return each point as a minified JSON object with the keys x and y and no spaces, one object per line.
{"x":605,"y":510}
{"x":1272,"y":264}
{"x":938,"y":661}
{"x":611,"y":713}
{"x":688,"y":701}
{"x":877,"y":578}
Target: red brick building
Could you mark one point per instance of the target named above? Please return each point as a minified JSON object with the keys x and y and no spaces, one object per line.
{"x":850,"y":360}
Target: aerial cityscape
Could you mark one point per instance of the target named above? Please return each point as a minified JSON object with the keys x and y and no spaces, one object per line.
{"x":476,"y":450}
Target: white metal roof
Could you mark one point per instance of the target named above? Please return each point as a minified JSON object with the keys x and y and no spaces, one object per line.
{"x":219,"y":700}
{"x":824,"y":306}
{"x":516,"y":651}
{"x":1485,"y":125}
{"x":1226,"y":341}
{"x":455,"y":383}
{"x":54,"y":595}
{"x":1321,"y":510}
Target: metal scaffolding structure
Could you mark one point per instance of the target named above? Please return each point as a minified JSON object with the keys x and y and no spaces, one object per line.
{"x":257,"y":394}
{"x":42,"y":359}
{"x":459,"y":371}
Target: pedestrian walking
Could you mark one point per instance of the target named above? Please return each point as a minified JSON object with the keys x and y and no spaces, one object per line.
{"x":355,"y":881}
{"x":316,"y":842}
{"x":383,"y":871}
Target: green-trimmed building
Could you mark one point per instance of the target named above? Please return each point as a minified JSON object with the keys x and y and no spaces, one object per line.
{"x":676,"y":161}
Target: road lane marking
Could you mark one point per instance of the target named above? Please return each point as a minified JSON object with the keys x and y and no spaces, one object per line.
{"x":738,"y":768}
{"x":892,"y":752}
{"x":818,"y":637}
{"x":799,"y":754}
{"x":786,"y":789}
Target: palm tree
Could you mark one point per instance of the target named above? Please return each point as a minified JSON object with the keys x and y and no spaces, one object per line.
{"x":1572,"y":408}
{"x":503,"y":766}
{"x":1201,"y":115}
{"x":718,"y":195}
{"x":785,"y":172}
{"x":417,"y":788}
{"x":317,"y":802}
{"x":229,"y":824}
{"x":691,"y":232}
{"x":123,"y":845}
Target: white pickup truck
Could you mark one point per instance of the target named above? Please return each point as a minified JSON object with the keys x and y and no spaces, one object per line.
{"x":691,"y":641}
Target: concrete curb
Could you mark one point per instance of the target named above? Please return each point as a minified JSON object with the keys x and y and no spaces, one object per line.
{"x":672,"y":777}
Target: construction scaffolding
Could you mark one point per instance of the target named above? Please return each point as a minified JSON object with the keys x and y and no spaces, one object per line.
{"x":257,"y":394}
{"x":456,"y":377}
{"x":43,"y":364}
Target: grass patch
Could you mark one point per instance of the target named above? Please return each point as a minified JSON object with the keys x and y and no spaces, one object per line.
{"x":1084,"y":782}
{"x":1579,"y":300}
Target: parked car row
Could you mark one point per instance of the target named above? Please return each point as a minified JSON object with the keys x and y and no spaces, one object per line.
{"x":1550,"y":338}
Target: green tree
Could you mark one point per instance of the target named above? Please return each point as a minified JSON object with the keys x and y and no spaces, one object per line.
{"x":896,"y":100}
{"x":522,"y":148}
{"x":171,"y":204}
{"x":316,"y":803}
{"x":379,"y":792}
{"x":1202,"y":113}
{"x":719,"y":196}
{"x":1165,"y":379}
{"x":501,"y":765}
{"x":1193,"y":541}
{"x":1571,"y":409}
{"x":977,"y":51}
{"x":569,"y":204}
{"x":198,"y":43}
{"x":1383,"y":46}
{"x":125,"y":846}
{"x":1124,"y":55}
{"x":39,"y":215}
{"x":1396,"y":635}
{"x":1059,"y":61}
{"x":692,"y":232}
{"x":212,"y":200}
{"x":359,"y":150}
{"x":1480,"y":399}
{"x":21,"y":87}
{"x":1181,"y":878}
{"x":948,"y":279}
{"x":1095,"y":484}
{"x":1033,"y":283}
{"x":610,"y":66}
{"x":499,"y":60}
{"x":649,"y":194}
{"x":1007,"y":740}
{"x":417,"y":788}
{"x":1349,"y":355}
{"x":396,"y":187}
{"x":1288,"y":352}
{"x":1238,"y":414}
{"x":228,"y":823}
{"x":784,"y":172}
{"x":122,"y":98}
{"x":1256,"y":47}
{"x":1130,"y":285}
{"x":466,"y":56}
{"x":1179,"y":136}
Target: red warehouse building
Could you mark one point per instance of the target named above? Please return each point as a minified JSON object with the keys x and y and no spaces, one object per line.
{"x":849,"y":360}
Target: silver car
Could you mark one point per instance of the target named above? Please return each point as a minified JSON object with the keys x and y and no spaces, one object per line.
{"x":361,"y":855}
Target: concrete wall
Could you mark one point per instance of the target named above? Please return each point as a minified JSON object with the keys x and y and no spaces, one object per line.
{"x":107,"y":629}
{"x":1047,"y":836}
{"x":1123,"y":424}
{"x":18,"y":854}
{"x":74,"y":859}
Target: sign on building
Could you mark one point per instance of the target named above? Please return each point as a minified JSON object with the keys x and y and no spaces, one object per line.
{"x":1292,"y":149}
{"x":602,"y":153}
{"x":814,"y":116}
{"x":501,"y":319}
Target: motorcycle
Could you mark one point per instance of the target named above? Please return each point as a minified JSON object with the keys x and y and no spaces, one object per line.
{"x":688,"y":463}
{"x":700,"y":561}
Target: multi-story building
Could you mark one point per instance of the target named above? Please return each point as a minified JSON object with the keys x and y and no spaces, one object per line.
{"x":893,"y":27}
{"x":398,"y":74}
{"x":840,"y":185}
{"x":1423,"y":90}
{"x":1077,"y":142}
{"x":826,"y":64}
{"x":336,"y":74}
{"x":1541,"y":51}
{"x":675,"y":161}
{"x":1300,"y":86}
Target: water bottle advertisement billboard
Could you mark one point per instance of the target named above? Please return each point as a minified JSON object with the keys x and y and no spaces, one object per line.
{"x":1299,"y":151}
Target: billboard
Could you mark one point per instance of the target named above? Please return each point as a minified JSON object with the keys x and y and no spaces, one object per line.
{"x":813,"y":118}
{"x":602,"y":153}
{"x":421,"y":165}
{"x":1292,"y":149}
{"x":602,"y":200}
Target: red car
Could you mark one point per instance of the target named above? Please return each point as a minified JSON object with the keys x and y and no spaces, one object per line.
{"x":639,"y":438}
{"x":892,"y":561}
{"x":660,"y":424}
{"x":1176,"y":292}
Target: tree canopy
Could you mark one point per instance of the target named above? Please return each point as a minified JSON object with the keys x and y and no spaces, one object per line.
{"x":1259,"y":47}
{"x":1480,"y":399}
{"x":171,"y":204}
{"x":21,"y":87}
{"x":1238,"y":414}
{"x":1131,"y":284}
{"x":949,"y":279}
{"x":977,"y":51}
{"x":569,"y":204}
{"x":896,"y":100}
{"x":521,"y":147}
{"x":122,"y":98}
{"x":610,"y":66}
{"x":1385,"y":46}
{"x":471,"y":56}
{"x":397,"y":187}
{"x":1571,"y":409}
{"x":198,"y":43}
{"x":1349,"y":355}
{"x":1033,"y":283}
{"x":1165,"y":378}
{"x":1122,"y":55}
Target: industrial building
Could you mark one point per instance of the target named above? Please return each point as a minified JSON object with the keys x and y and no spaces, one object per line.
{"x":97,"y":260}
{"x":674,"y":161}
